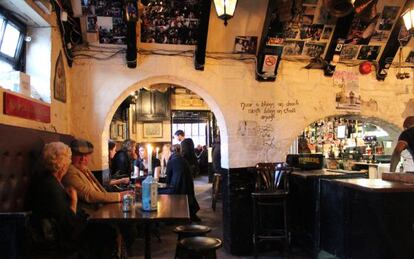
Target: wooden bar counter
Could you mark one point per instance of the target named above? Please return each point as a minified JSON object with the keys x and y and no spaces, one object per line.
{"x":305,"y":204}
{"x":366,"y":218}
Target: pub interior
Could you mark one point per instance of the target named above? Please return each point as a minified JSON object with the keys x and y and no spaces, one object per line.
{"x":302,"y":110}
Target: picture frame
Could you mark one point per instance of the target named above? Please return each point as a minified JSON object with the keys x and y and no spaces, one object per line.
{"x":121,"y":132}
{"x":152,"y":130}
{"x":60,"y":80}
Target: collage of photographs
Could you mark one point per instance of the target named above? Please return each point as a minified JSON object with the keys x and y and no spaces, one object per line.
{"x":369,"y":32}
{"x":104,"y":17}
{"x":306,"y":35}
{"x":173,"y":22}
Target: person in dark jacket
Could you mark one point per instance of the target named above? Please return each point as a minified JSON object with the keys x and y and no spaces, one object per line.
{"x":123,"y":161}
{"x":188,"y":151}
{"x":180,"y":180}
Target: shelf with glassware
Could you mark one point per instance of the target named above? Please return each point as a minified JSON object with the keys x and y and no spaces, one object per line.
{"x":346,"y":142}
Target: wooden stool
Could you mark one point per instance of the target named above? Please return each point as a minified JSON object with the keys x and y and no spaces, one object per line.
{"x":216,"y":190}
{"x":199,"y":247}
{"x":185,"y":231}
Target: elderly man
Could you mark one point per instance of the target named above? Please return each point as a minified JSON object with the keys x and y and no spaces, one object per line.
{"x":89,"y":190}
{"x":405,"y":142}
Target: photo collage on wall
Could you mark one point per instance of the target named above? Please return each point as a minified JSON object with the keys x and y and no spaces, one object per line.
{"x":173,"y":22}
{"x":105,"y":18}
{"x":370,"y":29}
{"x":306,"y":34}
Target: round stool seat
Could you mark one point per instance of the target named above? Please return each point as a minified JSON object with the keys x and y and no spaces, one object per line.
{"x":200,"y":244}
{"x":192,"y":229}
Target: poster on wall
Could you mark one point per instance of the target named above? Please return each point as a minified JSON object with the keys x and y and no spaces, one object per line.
{"x":170,"y":22}
{"x":348,"y":96}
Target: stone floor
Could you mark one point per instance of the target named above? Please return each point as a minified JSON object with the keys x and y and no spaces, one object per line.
{"x":166,"y":248}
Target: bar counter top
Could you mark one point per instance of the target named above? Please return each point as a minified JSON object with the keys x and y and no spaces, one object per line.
{"x":375,"y":185}
{"x":326,"y":173}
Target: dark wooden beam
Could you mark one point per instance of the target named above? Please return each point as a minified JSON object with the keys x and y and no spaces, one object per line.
{"x":200,"y":51}
{"x":273,"y":51}
{"x":387,"y":56}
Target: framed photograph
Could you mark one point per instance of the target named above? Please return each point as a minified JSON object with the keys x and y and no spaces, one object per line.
{"x":60,"y":80}
{"x":152,"y":130}
{"x":245,"y":44}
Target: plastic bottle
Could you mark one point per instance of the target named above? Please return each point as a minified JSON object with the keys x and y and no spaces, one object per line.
{"x":149,"y":194}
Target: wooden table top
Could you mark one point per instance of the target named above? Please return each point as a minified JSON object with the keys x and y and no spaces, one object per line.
{"x":171,"y":208}
{"x":376,"y":185}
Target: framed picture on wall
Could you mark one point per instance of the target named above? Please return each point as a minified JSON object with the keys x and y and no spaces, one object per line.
{"x":60,"y":80}
{"x":121,"y":131}
{"x":152,"y":130}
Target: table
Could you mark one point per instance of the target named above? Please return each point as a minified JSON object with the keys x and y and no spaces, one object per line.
{"x":171,"y":208}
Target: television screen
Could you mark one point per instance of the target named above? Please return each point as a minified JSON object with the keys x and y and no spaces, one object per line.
{"x":340,"y":131}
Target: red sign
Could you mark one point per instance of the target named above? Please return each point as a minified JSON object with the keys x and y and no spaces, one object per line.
{"x":269,"y":64}
{"x":15,"y":105}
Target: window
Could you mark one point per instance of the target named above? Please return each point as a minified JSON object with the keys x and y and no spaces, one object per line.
{"x":196,"y":131}
{"x":12,"y":33}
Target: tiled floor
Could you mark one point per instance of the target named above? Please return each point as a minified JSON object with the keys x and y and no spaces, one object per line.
{"x":166,"y":248}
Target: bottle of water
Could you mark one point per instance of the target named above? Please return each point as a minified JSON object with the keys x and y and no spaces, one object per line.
{"x":149,"y":194}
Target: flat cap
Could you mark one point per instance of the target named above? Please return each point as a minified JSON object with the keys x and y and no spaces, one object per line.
{"x":81,"y":146}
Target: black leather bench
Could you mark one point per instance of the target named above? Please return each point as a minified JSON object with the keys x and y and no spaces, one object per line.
{"x":20,"y":149}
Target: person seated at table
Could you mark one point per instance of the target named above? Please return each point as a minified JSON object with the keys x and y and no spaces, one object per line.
{"x":90,"y":192}
{"x":56,"y":207}
{"x":180,"y":181}
{"x":122,"y":164}
{"x":111,"y":155}
{"x":142,"y":164}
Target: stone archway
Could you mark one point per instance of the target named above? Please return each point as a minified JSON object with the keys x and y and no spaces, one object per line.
{"x":147,"y":83}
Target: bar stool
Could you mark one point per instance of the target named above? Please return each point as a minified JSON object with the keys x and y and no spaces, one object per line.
{"x":216,"y":190}
{"x":270,"y":214}
{"x":185,"y":231}
{"x":199,"y":247}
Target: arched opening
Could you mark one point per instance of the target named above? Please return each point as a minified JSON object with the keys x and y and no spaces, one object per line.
{"x":348,"y":142}
{"x":157,"y":83}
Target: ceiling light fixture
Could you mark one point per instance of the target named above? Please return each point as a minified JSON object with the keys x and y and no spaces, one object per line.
{"x":408,"y":17}
{"x":225,"y":9}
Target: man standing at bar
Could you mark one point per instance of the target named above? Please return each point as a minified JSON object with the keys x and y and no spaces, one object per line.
{"x":405,"y":142}
{"x":188,"y":151}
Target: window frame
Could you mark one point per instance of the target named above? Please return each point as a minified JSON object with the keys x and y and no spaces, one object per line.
{"x":15,"y":61}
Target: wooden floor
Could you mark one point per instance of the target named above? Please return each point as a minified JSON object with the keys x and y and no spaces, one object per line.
{"x":166,"y":248}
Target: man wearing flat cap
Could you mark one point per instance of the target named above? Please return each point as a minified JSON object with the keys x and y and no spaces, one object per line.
{"x":405,"y":142}
{"x":89,"y":190}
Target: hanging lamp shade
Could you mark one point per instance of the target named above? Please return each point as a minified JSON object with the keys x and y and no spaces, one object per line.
{"x":408,"y":17}
{"x":225,"y":9}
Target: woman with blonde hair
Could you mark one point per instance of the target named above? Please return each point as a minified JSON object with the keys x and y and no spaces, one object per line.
{"x":55,"y":210}
{"x":165,"y":156}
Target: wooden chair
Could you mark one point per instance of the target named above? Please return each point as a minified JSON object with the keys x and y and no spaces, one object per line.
{"x":270,"y":213}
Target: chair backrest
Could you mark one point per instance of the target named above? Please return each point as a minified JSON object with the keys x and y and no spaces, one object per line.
{"x":272,"y":176}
